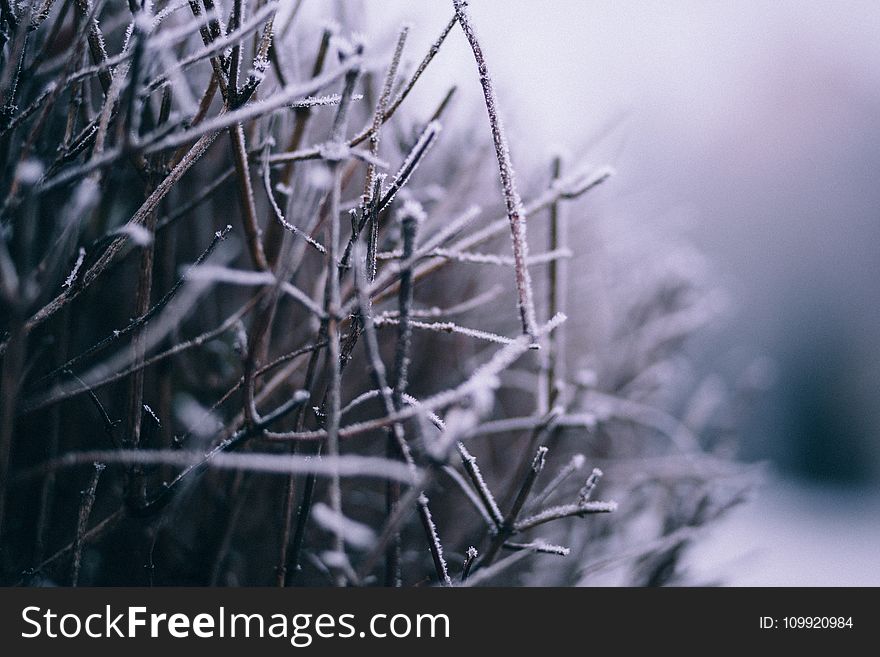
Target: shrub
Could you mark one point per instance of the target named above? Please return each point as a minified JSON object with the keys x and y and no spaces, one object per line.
{"x":268,"y":328}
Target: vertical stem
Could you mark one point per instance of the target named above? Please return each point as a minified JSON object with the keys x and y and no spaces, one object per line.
{"x":290,"y":565}
{"x":557,"y":273}
{"x":246,"y":192}
{"x":469,"y":559}
{"x":409,"y":224}
{"x":85,"y":510}
{"x":334,"y":397}
{"x":96,"y":43}
{"x":229,"y":90}
{"x":165,"y":279}
{"x":509,"y":523}
{"x":415,"y":495}
{"x":302,"y":521}
{"x":434,"y":544}
{"x":47,"y":490}
{"x":135,"y":493}
{"x":382,"y":105}
{"x":334,"y":308}
{"x":10,"y":379}
{"x":286,"y":529}
{"x":515,"y":211}
{"x":409,"y":227}
{"x":235,"y":61}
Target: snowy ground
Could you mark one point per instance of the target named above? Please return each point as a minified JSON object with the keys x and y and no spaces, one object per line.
{"x":795,"y":535}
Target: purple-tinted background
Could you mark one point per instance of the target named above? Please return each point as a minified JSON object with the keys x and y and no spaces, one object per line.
{"x":752,"y":127}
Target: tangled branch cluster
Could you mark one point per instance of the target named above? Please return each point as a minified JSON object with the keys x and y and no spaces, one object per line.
{"x":201,"y":259}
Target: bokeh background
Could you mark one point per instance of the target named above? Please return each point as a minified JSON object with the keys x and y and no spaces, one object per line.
{"x":750,"y":127}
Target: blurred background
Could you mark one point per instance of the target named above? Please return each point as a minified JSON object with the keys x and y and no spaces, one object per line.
{"x":749,"y":127}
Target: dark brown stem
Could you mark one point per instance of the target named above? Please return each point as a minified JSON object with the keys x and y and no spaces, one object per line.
{"x":248,"y":203}
{"x":85,"y":510}
{"x":10,"y":380}
{"x":509,"y":524}
{"x":135,"y":485}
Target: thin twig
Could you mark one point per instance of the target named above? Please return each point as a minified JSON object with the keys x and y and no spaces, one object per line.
{"x":576,"y":463}
{"x":398,"y":447}
{"x":314,"y":152}
{"x":10,"y":381}
{"x":553,"y":362}
{"x":468,"y":491}
{"x":509,"y":524}
{"x":246,"y":195}
{"x":486,"y":574}
{"x":587,"y":491}
{"x":434,"y":543}
{"x":193,"y":463}
{"x":85,"y":510}
{"x":515,"y":210}
{"x":66,"y":392}
{"x":411,"y":163}
{"x":446,"y":327}
{"x":149,"y":314}
{"x":333,"y":303}
{"x":571,"y":186}
{"x":382,"y":104}
{"x":565,"y":511}
{"x":488,"y":500}
{"x":469,"y":559}
{"x":89,"y":276}
{"x":539,"y":547}
{"x":484,"y":376}
{"x":302,"y":116}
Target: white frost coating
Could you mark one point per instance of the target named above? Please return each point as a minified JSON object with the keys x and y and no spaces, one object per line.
{"x":331,"y":26}
{"x":446,"y":327}
{"x":429,"y":521}
{"x":356,"y":534}
{"x":498,"y":260}
{"x":316,"y":101}
{"x":152,"y":414}
{"x":483,"y":380}
{"x":515,"y":210}
{"x":345,"y":47}
{"x":280,"y":98}
{"x":587,"y":491}
{"x":566,"y":511}
{"x":562,"y":551}
{"x":541,"y":546}
{"x":76,"y":267}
